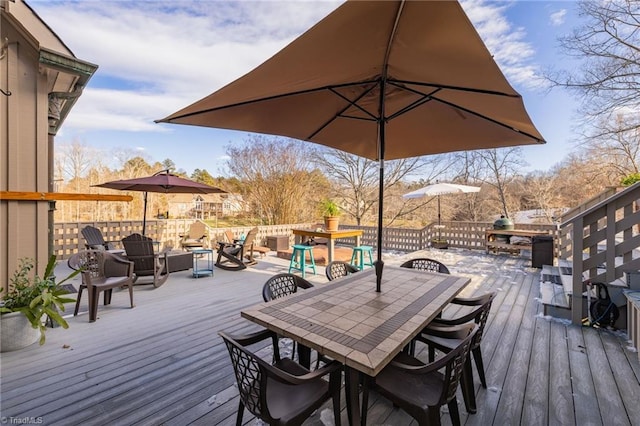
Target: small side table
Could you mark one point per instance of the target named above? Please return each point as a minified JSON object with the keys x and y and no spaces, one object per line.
{"x":206,"y":255}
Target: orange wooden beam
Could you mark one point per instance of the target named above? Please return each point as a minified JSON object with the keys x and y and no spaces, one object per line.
{"x":57,"y":196}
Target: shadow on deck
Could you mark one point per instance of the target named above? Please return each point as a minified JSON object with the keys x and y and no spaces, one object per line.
{"x":163,"y":362}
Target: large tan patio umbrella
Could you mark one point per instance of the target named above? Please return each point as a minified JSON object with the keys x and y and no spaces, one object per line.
{"x":163,"y":182}
{"x":379,"y":79}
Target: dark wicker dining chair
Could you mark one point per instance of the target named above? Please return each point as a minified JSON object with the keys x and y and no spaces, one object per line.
{"x":284,"y":393}
{"x":281,"y":285}
{"x":436,"y":337}
{"x":420,"y":389}
{"x":339,"y":268}
{"x":425,"y":264}
{"x":101,"y":272}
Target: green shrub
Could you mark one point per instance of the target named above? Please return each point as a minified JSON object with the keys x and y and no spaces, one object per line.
{"x":37,"y":296}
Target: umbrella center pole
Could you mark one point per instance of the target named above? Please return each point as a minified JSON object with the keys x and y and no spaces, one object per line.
{"x":379,"y":264}
{"x":144,"y":217}
{"x":439,"y":226}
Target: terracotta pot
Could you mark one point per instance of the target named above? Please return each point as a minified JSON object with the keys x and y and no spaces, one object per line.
{"x":16,"y":332}
{"x":331,"y":223}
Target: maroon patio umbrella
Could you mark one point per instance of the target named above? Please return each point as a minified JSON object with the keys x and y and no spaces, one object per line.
{"x":163,"y":182}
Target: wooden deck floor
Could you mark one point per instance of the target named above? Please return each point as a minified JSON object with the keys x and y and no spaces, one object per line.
{"x":163,"y":362}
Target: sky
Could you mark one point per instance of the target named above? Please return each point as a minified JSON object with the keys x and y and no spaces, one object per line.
{"x":156,"y":57}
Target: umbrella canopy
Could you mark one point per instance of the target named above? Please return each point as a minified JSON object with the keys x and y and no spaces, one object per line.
{"x":379,"y":79}
{"x":163,"y":182}
{"x":438,"y":189}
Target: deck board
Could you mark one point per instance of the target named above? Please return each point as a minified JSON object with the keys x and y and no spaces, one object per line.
{"x":561,"y":404}
{"x":609,"y":399}
{"x":536,"y":393}
{"x":512,"y":400}
{"x":584,"y":395}
{"x":163,"y":362}
{"x":625,"y":380}
{"x":499,"y":339}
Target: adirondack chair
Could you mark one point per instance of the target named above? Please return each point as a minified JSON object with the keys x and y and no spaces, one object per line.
{"x":237,"y":256}
{"x":195,"y":238}
{"x":94,"y":240}
{"x":146,"y":263}
{"x":230,"y":237}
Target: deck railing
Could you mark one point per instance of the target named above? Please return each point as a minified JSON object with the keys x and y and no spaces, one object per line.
{"x":602,"y":243}
{"x":67,"y":238}
{"x":470,"y":235}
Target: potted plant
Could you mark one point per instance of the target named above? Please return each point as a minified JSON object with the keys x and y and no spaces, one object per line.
{"x":439,"y":243}
{"x":331,"y":212}
{"x":29,"y":299}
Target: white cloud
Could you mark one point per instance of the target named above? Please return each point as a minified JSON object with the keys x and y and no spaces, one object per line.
{"x":558,"y":18}
{"x":508,"y":45}
{"x":156,"y":57}
{"x":121,"y":110}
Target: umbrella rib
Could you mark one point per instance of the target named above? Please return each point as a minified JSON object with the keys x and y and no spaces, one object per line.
{"x":339,"y":113}
{"x":392,"y":35}
{"x":425,"y":98}
{"x":467,"y":110}
{"x":267,"y":98}
{"x":401,"y":83}
{"x":354,"y":102}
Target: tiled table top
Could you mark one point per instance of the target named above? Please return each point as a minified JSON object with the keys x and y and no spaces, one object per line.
{"x":349,"y":321}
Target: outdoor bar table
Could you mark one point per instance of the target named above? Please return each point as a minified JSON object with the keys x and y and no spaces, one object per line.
{"x":347,"y":320}
{"x":331,"y":236}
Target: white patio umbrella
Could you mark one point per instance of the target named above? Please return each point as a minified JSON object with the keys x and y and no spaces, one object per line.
{"x":438,"y":189}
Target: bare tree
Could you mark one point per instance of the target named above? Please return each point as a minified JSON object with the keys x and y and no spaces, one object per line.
{"x":468,"y":167}
{"x":356,"y":180}
{"x":540,"y":192}
{"x":608,"y":44}
{"x":617,"y":149}
{"x":74,"y":162}
{"x":503,"y":166}
{"x":277,"y":177}
{"x":465,"y":166}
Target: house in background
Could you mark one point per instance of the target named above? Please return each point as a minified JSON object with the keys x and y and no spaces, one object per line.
{"x":195,"y":206}
{"x":203,"y":206}
{"x":233,"y":205}
{"x":40,"y":81}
